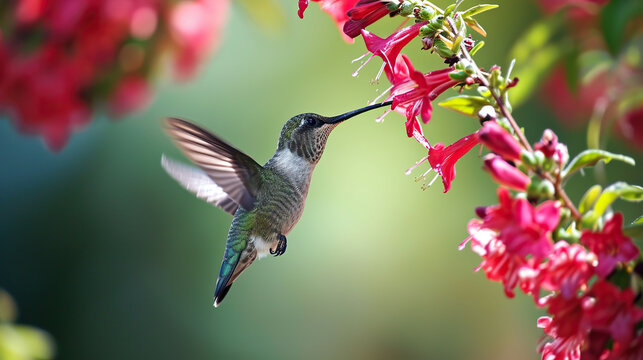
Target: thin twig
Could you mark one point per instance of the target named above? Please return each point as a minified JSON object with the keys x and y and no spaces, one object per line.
{"x":560,"y":192}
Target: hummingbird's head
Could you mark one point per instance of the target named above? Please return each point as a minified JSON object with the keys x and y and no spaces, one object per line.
{"x":306,"y":134}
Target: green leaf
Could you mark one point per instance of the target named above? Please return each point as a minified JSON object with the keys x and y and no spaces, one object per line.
{"x":634,"y":231}
{"x":617,"y":190}
{"x":614,"y":18}
{"x":572,"y":67}
{"x":465,"y":104}
{"x":449,"y":10}
{"x":590,"y":157}
{"x":478,"y":9}
{"x":475,"y":25}
{"x":536,"y":53}
{"x":620,"y":278}
{"x":588,"y":200}
{"x":476,"y":47}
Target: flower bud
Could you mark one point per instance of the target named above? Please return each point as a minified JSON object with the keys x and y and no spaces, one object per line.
{"x":547,"y":143}
{"x":481,"y":211}
{"x":487,"y":113}
{"x":427,"y":31}
{"x":505,"y":174}
{"x":458,"y":75}
{"x":442,"y":49}
{"x":528,"y":158}
{"x":499,"y":140}
{"x":437,"y":22}
{"x":541,"y":189}
{"x":561,"y":155}
{"x":540,"y":157}
{"x":407,"y":8}
{"x":426,"y":13}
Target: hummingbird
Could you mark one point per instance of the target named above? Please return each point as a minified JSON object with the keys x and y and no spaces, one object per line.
{"x":266,"y":201}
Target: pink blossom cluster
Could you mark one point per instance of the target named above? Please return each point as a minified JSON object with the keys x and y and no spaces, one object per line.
{"x":575,"y":264}
{"x":62,"y":59}
{"x":517,"y":242}
{"x":411,"y":92}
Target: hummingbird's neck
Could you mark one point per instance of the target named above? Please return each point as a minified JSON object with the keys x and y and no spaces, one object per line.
{"x":294,"y":167}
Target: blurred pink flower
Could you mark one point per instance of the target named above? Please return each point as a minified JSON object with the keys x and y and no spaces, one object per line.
{"x":572,"y":108}
{"x":91,"y":52}
{"x":196,"y":27}
{"x":567,"y":327}
{"x":576,"y":8}
{"x":631,"y":126}
{"x":131,"y":94}
{"x":497,"y":263}
{"x":610,"y":245}
{"x":337,"y":9}
{"x":569,"y":269}
{"x":612,"y":310}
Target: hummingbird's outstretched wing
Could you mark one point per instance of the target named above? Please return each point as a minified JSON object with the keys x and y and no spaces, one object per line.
{"x":199,"y":183}
{"x":235,"y":172}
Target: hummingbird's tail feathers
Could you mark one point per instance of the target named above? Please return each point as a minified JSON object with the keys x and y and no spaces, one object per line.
{"x":232,"y":266}
{"x":218,"y":298}
{"x":235,"y":172}
{"x":199,"y":183}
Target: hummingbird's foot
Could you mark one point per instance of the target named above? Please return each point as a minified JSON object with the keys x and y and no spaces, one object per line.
{"x":281,"y":246}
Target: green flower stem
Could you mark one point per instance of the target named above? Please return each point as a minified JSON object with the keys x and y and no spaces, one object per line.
{"x":560,"y":192}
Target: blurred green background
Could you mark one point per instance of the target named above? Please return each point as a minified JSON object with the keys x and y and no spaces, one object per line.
{"x":107,"y":253}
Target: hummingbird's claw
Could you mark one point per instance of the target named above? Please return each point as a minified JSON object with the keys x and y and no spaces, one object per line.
{"x":281,"y":246}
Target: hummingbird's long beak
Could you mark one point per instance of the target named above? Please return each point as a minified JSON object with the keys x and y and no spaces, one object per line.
{"x":339,"y":118}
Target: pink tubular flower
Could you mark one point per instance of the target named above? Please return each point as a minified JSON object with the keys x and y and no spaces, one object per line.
{"x":568,"y":269}
{"x":630,"y":351}
{"x":613,"y":310}
{"x":499,"y":141}
{"x":443,"y":159}
{"x":505,"y":174}
{"x":412,"y":91}
{"x":302,"y":5}
{"x":529,"y":231}
{"x":567,"y":327}
{"x":524,"y":229}
{"x":336,"y":9}
{"x":363,"y":14}
{"x":388,"y":49}
{"x":610,"y":245}
{"x":497,"y":263}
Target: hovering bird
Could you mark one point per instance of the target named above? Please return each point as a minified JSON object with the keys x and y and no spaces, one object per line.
{"x":266,"y":201}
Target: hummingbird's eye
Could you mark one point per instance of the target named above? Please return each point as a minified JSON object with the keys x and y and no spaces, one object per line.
{"x":310,"y":122}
